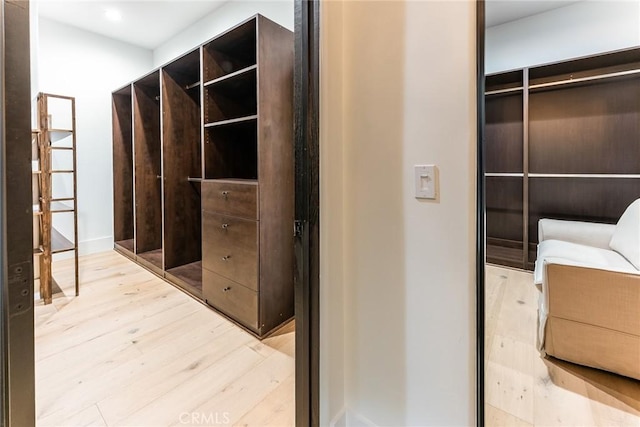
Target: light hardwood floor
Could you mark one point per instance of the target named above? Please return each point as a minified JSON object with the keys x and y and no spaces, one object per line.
{"x":134,"y":351}
{"x":523,"y":389}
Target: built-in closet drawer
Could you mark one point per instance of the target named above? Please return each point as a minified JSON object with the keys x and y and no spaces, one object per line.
{"x":231,"y":298}
{"x":230,"y":247}
{"x":232,"y":197}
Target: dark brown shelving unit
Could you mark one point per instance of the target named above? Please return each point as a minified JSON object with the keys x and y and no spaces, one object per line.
{"x":570,"y":151}
{"x":203,"y":170}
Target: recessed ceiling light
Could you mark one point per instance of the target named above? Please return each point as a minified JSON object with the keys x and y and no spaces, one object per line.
{"x":113,"y":15}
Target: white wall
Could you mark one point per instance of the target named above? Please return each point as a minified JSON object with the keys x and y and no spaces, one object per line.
{"x":221,"y":19}
{"x":89,"y":67}
{"x":580,"y":29}
{"x":399,"y":272}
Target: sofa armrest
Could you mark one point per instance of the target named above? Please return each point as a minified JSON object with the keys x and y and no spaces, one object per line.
{"x":605,"y":298}
{"x":586,"y":233}
{"x":590,"y":316}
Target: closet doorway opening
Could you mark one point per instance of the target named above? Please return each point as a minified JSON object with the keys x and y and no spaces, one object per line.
{"x":558,"y":159}
{"x":144,"y":316}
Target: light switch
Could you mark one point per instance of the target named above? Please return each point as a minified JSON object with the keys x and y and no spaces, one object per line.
{"x":425,"y":181}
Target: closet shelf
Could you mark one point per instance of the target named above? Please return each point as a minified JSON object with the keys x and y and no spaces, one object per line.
{"x":231,"y":121}
{"x":578,"y":80}
{"x":231,"y":75}
{"x":504,"y":91}
{"x":232,"y":181}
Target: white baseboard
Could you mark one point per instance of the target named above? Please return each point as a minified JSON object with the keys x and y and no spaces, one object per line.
{"x":357,"y":420}
{"x":349,"y":418}
{"x":88,"y":247}
{"x":340,"y":420}
{"x":93,"y":246}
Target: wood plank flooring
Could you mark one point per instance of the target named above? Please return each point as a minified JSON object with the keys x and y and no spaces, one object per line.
{"x":132,"y":350}
{"x":523,"y":389}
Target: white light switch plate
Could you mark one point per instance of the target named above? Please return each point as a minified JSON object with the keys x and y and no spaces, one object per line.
{"x":425,"y":179}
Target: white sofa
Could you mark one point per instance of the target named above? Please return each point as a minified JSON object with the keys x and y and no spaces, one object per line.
{"x":589,"y":277}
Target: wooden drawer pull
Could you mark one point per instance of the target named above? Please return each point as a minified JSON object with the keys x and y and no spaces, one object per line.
{"x":226,"y":258}
{"x":228,"y":288}
{"x":225,"y":225}
{"x":225,"y":194}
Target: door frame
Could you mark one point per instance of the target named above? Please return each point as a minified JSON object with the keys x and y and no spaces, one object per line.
{"x":307,"y":212}
{"x":480,"y":214}
{"x":16,"y":249}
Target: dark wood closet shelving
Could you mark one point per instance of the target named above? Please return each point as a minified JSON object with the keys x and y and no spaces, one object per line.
{"x":561,"y":142}
{"x":205,"y":143}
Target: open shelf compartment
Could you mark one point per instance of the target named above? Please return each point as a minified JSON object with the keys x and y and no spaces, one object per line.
{"x":231,"y":98}
{"x":182,"y":160}
{"x":231,"y":51}
{"x":231,"y":151}
{"x":148,"y":168}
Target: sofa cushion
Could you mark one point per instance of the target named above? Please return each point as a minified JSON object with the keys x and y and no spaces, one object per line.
{"x":626,"y":237}
{"x":561,"y":252}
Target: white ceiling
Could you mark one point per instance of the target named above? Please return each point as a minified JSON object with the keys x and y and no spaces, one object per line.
{"x":150,"y":23}
{"x":502,"y":11}
{"x":144,"y":23}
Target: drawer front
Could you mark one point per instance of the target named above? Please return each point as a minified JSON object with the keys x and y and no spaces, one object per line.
{"x":230,"y":248}
{"x":230,"y":198}
{"x":232,"y":299}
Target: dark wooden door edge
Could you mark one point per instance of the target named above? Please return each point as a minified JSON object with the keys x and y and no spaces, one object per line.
{"x":18,"y":379}
{"x":480,"y":214}
{"x":4,"y":410}
{"x":307,"y":249}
